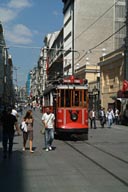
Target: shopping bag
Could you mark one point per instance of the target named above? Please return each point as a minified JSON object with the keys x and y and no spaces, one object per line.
{"x":23,"y":126}
{"x":42,"y":131}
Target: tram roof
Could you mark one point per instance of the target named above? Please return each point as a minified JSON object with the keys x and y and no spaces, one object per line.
{"x":72,"y":87}
{"x":63,"y":86}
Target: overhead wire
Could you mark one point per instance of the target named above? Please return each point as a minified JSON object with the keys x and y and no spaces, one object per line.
{"x":101,"y":42}
{"x":93,"y":23}
{"x":36,"y":47}
{"x":108,"y":37}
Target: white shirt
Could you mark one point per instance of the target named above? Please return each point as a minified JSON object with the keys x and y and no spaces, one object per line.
{"x":102,"y":113}
{"x":93,"y":114}
{"x":14,"y":112}
{"x":117,"y":113}
{"x":49,"y":119}
{"x":110,"y":114}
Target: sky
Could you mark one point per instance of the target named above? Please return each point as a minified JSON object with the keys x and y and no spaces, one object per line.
{"x":25,"y":24}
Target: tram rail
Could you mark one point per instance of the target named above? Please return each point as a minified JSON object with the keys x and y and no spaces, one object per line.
{"x":110,"y":172}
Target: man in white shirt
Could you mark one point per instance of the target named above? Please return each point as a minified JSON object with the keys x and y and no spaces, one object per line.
{"x":110,"y":117}
{"x":14,"y":112}
{"x":48,"y":122}
{"x":102,"y":117}
{"x":92,"y":116}
{"x":116,"y":116}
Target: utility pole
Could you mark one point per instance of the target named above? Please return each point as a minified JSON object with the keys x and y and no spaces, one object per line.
{"x":126,"y":46}
{"x":72,"y":15}
{"x":16,"y":86}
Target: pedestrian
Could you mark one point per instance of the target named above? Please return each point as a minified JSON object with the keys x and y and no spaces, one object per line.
{"x":102,"y":117}
{"x":48,"y":121}
{"x":92,"y":116}
{"x":125,"y":115}
{"x":21,"y":110}
{"x":116,"y":116}
{"x":14,"y":112}
{"x":34,"y":105}
{"x":8,"y":122}
{"x":110,"y":117}
{"x":28,"y":134}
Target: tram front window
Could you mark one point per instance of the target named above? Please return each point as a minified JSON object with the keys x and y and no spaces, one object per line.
{"x":71,"y":97}
{"x":65,"y":98}
{"x":76,"y":98}
{"x":68,"y":98}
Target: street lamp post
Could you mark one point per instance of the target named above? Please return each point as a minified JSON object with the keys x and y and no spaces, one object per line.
{"x":16,"y":86}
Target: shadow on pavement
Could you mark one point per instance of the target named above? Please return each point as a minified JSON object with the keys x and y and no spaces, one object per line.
{"x":11,"y":175}
{"x":71,"y":137}
{"x":0,"y":132}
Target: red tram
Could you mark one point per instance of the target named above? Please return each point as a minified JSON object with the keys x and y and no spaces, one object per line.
{"x":68,"y":98}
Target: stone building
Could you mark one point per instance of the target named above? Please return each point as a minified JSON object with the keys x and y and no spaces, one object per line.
{"x":86,"y":26}
{"x":111,"y":78}
{"x":91,"y":30}
{"x":88,"y":33}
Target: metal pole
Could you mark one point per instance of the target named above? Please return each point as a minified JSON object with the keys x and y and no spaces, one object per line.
{"x":16,"y":86}
{"x":126,"y":46}
{"x":72,"y":15}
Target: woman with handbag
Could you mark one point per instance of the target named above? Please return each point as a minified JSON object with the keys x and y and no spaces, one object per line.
{"x":48,"y":122}
{"x":28,"y":134}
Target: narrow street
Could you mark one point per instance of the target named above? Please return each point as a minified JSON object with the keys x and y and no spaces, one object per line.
{"x":97,"y":165}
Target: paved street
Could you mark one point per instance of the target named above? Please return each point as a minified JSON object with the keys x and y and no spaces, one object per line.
{"x":97,"y":165}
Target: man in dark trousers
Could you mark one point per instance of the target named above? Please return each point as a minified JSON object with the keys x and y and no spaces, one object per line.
{"x":92,"y":116}
{"x":8,"y":122}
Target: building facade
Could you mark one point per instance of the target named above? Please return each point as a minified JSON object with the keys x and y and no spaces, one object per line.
{"x":112,"y":76}
{"x":91,"y":30}
{"x":6,"y":73}
{"x":88,"y":33}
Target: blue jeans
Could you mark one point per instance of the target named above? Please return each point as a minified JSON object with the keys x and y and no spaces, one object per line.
{"x":49,"y":137}
{"x":110,"y":121}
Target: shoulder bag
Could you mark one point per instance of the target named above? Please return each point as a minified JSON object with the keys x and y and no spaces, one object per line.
{"x":42,"y":131}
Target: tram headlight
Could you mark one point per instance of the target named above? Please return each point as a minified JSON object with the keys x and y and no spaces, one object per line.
{"x":74,"y":116}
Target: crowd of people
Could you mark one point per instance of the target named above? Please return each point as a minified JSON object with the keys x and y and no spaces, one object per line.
{"x":9,"y":120}
{"x":10,"y":125}
{"x":105,"y":117}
